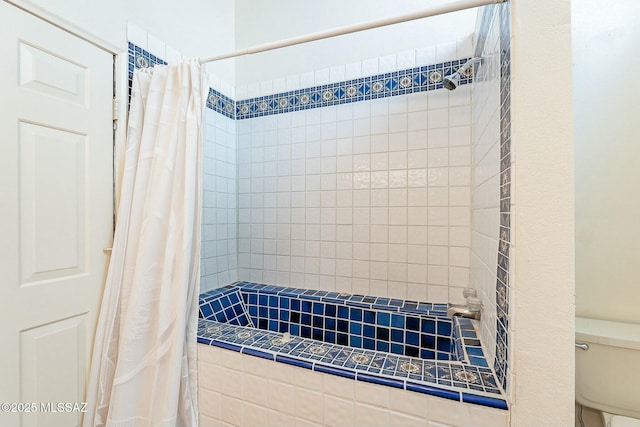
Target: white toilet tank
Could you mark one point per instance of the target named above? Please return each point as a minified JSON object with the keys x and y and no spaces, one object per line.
{"x":608,"y":373}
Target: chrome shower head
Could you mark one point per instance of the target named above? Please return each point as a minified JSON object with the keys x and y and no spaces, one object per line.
{"x":453,"y":80}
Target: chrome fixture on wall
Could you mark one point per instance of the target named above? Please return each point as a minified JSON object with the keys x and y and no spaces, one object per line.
{"x":471,"y":309}
{"x":452,"y":80}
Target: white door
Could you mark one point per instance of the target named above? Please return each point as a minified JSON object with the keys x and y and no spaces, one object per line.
{"x":55,"y":215}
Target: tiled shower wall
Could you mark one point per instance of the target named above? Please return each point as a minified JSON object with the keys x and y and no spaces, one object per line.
{"x":219,"y":221}
{"x":371,"y":197}
{"x":491,"y":231}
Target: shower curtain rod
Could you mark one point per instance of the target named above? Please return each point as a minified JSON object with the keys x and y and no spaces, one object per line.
{"x":425,"y":13}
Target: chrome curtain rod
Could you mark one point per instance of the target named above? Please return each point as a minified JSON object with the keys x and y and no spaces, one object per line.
{"x":425,"y":13}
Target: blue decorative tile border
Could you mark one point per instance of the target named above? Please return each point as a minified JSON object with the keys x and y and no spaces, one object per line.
{"x":222,"y":104}
{"x":401,"y":82}
{"x":450,"y":380}
{"x":501,"y":363}
{"x":462,"y":375}
{"x":140,"y":58}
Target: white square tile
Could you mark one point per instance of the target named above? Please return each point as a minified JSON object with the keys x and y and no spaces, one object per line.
{"x":438,"y":99}
{"x":266,"y":88}
{"x":156,"y":46}
{"x":406,"y":59}
{"x":446,"y":52}
{"x":253,"y":90}
{"x":437,"y":177}
{"x":307,"y":79}
{"x":398,"y":197}
{"x":388,"y":63}
{"x":398,"y":141}
{"x":426,"y":56}
{"x":460,"y":135}
{"x":337,"y":74}
{"x":460,"y":116}
{"x":370,"y":67}
{"x":417,"y":120}
{"x":417,"y":101}
{"x":293,"y":82}
{"x":464,"y":47}
{"x":353,"y":70}
{"x":416,"y":253}
{"x":137,"y":35}
{"x":322,"y":77}
{"x":459,"y":156}
{"x":417,"y":292}
{"x":279,"y":85}
{"x":438,"y":118}
{"x":438,"y":157}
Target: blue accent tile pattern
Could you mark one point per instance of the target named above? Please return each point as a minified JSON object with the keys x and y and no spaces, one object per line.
{"x":502,"y":283}
{"x":419,"y":79}
{"x":140,"y":58}
{"x":501,"y":363}
{"x":451,"y":380}
{"x":464,"y":370}
{"x":220,"y":103}
{"x":402,"y":82}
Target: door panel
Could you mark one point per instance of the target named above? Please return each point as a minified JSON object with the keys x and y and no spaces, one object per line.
{"x":48,"y":73}
{"x":53,"y":354}
{"x":56,"y":212}
{"x":52,"y":242}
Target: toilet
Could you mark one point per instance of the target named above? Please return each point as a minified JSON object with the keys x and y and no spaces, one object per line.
{"x":607,"y":374}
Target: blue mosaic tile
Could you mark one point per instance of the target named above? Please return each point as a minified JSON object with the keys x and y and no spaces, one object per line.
{"x":311,"y":315}
{"x":224,"y":305}
{"x":502,"y":287}
{"x":400,"y":82}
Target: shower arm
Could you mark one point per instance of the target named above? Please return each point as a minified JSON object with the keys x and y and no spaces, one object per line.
{"x":425,"y":13}
{"x":469,"y":64}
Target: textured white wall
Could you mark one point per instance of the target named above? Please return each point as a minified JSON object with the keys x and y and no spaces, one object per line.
{"x":240,"y":390}
{"x":542,"y":301}
{"x":194,"y":28}
{"x":606,"y":39}
{"x":261,"y":22}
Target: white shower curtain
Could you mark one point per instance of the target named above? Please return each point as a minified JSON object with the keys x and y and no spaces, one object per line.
{"x":143,"y":371}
